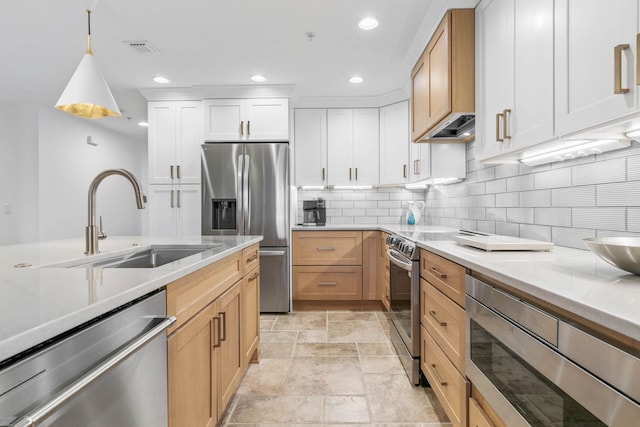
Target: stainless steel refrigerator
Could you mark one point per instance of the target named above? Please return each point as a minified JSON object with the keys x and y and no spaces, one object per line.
{"x":245,"y":190}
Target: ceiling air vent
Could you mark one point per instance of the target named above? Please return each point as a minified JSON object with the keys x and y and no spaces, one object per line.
{"x":142,"y":46}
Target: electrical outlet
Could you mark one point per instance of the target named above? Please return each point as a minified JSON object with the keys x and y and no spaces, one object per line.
{"x":7,"y":209}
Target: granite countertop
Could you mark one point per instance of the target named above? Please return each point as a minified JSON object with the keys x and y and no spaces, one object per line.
{"x":42,"y":301}
{"x":572,"y":279}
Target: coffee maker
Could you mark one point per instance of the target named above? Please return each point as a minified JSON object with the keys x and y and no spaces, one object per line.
{"x":314,"y":212}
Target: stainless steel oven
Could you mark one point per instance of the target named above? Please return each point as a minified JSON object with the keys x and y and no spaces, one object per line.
{"x":537,"y":369}
{"x":404,"y":302}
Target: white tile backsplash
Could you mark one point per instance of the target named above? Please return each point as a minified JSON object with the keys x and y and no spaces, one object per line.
{"x":561,"y":202}
{"x":381,"y":206}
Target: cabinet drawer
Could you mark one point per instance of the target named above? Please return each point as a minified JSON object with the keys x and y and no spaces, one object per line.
{"x":445,"y":321}
{"x":327,"y":248}
{"x":190,"y":294}
{"x":451,"y":388}
{"x":327,"y":283}
{"x":477,"y":417}
{"x":445,"y":275}
{"x":250,"y":258}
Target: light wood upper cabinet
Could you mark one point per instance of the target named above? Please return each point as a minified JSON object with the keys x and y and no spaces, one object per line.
{"x":587,"y":33}
{"x":515,"y":75}
{"x":310,"y":146}
{"x":246,"y":119}
{"x":443,"y":78}
{"x":175,"y":135}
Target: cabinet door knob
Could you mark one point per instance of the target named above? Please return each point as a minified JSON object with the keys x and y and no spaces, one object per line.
{"x":617,"y":66}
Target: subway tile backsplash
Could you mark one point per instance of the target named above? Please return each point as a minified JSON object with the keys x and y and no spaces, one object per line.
{"x":562,"y":202}
{"x":376,"y":206}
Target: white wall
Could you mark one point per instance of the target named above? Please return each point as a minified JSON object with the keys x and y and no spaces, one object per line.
{"x":46,"y":167}
{"x":68,"y":165}
{"x":18,"y":173}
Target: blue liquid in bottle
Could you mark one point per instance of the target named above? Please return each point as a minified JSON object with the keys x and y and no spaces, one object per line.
{"x":411,"y":220}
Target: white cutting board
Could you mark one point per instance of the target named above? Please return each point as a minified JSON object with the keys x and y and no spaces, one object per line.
{"x":503,"y":243}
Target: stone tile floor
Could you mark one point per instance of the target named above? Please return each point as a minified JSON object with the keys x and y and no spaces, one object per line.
{"x":330,"y":369}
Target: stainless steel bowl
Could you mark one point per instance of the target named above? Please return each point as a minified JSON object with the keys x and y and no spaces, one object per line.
{"x":623,"y":252}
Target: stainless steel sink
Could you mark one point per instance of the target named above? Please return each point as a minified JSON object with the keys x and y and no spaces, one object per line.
{"x":149,"y":257}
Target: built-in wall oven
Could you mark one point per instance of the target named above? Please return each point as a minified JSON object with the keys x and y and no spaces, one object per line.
{"x":538,"y":369}
{"x":404,"y":302}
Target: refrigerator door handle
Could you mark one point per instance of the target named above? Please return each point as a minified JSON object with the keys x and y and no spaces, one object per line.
{"x":240,"y":207}
{"x":246,"y":195}
{"x":272,"y":253}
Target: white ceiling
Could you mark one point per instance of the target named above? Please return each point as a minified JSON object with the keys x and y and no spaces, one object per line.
{"x":212,"y":42}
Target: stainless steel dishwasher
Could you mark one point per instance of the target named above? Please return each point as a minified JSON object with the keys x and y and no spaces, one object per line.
{"x":109,"y":372}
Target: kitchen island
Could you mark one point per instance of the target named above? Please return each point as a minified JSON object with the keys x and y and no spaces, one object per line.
{"x":43,"y":300}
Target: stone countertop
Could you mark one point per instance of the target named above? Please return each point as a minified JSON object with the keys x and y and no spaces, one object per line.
{"x":42,"y":301}
{"x":572,"y":279}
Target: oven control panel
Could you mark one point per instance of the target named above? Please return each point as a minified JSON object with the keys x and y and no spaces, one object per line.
{"x":404,"y":246}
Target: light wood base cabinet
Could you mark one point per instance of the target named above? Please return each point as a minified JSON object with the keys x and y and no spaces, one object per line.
{"x":336,"y":266}
{"x":251,"y":306}
{"x":450,"y":387}
{"x":216,"y":334}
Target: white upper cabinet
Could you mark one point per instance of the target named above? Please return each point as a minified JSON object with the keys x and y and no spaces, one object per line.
{"x":175,"y":136}
{"x":352,"y":140}
{"x":394,"y":144}
{"x":515,"y":71}
{"x":310,"y":146}
{"x":596,"y":56}
{"x":246,"y":119}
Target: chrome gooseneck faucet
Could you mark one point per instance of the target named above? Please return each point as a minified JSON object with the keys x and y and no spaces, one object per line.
{"x":92,"y":233}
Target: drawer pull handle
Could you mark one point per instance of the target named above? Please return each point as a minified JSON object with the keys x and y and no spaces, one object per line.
{"x":252,"y":258}
{"x":325,"y":248}
{"x":254,"y":277}
{"x":327,"y":283}
{"x":435,"y":374}
{"x":216,"y":332}
{"x":223,"y":320}
{"x":434,"y":315}
{"x":440,"y":274}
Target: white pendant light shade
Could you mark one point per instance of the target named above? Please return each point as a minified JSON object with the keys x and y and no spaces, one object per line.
{"x":87,"y":94}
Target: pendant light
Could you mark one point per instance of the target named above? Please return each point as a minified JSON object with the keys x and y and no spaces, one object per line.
{"x":87,"y":94}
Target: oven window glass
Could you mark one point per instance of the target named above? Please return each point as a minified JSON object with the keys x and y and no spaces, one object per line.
{"x":400,"y":298}
{"x":539,"y":401}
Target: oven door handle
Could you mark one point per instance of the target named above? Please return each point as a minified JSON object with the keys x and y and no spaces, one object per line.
{"x":41,"y":413}
{"x":397,"y":259}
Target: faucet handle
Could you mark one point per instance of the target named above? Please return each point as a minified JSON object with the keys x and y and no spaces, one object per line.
{"x":101,"y":233}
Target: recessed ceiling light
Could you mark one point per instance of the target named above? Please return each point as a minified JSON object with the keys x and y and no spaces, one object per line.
{"x":368,"y":23}
{"x":356,"y":80}
{"x":143,"y":124}
{"x":258,"y":78}
{"x":161,"y":79}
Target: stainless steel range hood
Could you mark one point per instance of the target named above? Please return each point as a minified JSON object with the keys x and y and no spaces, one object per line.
{"x":459,"y":127}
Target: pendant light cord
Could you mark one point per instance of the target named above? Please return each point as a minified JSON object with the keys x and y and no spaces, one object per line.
{"x":89,"y":32}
